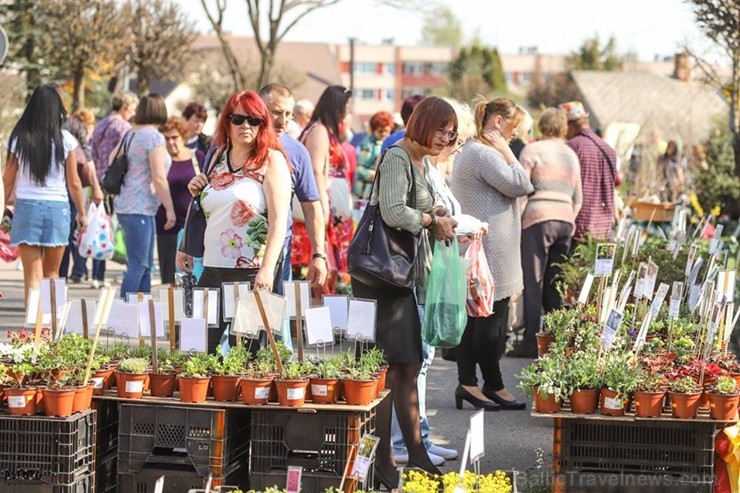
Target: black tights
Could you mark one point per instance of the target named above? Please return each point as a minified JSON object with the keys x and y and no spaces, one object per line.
{"x":401,"y":381}
{"x":483,"y":343}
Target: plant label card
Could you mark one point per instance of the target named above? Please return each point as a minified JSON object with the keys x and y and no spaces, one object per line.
{"x":102,"y":312}
{"x":232,"y":291}
{"x":144,"y":328}
{"x":675,"y":305}
{"x":60,"y":295}
{"x":729,"y":284}
{"x":199,"y":303}
{"x":586,"y":289}
{"x":640,"y":283}
{"x":124,"y":319}
{"x":361,"y":319}
{"x":293,"y":479}
{"x":74,"y":317}
{"x":134,"y":298}
{"x":193,"y":335}
{"x":715,"y":241}
{"x":159,"y":485}
{"x":625,"y":293}
{"x":477,"y":434}
{"x":275,"y":308}
{"x":650,"y":280}
{"x":178,"y":295}
{"x":657,"y":302}
{"x":304,"y":287}
{"x":690,"y":259}
{"x":365,"y":455}
{"x":247,"y":320}
{"x":318,"y":326}
{"x":611,"y":328}
{"x":694,"y":274}
{"x":731,"y":320}
{"x":695,"y":293}
{"x":32,"y":310}
{"x":604,"y":265}
{"x":642,"y":334}
{"x":339,"y":308}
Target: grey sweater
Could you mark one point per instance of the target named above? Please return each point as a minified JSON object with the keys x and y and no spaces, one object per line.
{"x":487,"y":189}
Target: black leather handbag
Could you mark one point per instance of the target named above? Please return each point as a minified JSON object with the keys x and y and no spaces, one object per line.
{"x":114,"y":175}
{"x":195,"y":221}
{"x":382,"y":257}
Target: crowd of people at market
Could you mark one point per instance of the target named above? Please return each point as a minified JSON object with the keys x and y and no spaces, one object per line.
{"x":282,"y":185}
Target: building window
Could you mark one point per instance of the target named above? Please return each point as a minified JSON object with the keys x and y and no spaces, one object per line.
{"x":366,"y":94}
{"x":365,"y":68}
{"x":526,"y":78}
{"x":389,"y":95}
{"x":413,"y":68}
{"x":390,"y":68}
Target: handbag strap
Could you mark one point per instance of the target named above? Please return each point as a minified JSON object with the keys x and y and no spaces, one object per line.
{"x":412,"y":187}
{"x":603,"y":152}
{"x":194,"y":160}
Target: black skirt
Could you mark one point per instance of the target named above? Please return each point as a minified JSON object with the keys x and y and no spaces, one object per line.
{"x":397,"y":328}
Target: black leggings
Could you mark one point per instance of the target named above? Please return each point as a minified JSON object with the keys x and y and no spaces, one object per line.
{"x":166,"y":251}
{"x":483,"y":343}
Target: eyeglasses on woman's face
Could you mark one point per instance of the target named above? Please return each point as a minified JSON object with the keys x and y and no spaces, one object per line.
{"x":448,"y":135}
{"x":238,"y":120}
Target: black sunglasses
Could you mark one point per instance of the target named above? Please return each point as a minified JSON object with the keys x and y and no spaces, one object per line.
{"x":240,"y":119}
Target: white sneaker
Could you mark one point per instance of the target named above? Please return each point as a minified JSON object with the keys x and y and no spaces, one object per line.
{"x":404,"y":458}
{"x":96,"y":284}
{"x":445,"y":453}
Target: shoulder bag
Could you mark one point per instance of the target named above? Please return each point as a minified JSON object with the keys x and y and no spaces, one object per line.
{"x":114,"y":175}
{"x":382,"y":257}
{"x":195,"y":221}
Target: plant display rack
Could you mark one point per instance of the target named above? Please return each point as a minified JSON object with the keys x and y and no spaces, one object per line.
{"x":41,"y":454}
{"x":106,"y":446}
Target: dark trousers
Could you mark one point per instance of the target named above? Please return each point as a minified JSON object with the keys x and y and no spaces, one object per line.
{"x":543,"y":246}
{"x":79,"y":263}
{"x":483,"y":343}
{"x":166,"y":251}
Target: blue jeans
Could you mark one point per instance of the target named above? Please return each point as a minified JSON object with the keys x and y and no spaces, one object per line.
{"x":138,"y":233}
{"x":427,"y":354}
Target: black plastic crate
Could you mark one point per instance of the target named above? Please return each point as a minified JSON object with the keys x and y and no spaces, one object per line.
{"x":207,"y":440}
{"x":311,"y":482}
{"x":106,"y":439}
{"x":53,"y":451}
{"x":83,"y":484}
{"x":630,"y":483}
{"x":177,"y":479}
{"x":674,"y":449}
{"x":106,"y":473}
{"x":320,"y":443}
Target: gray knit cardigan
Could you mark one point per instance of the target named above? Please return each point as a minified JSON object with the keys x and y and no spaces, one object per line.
{"x":487,"y":189}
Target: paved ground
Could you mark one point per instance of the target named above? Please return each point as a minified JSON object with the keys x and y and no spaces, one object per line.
{"x":511,"y":437}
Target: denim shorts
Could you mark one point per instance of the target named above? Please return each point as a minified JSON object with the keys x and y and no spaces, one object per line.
{"x":40,"y":223}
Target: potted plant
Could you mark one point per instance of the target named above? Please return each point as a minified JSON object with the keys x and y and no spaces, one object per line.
{"x":358,"y":386}
{"x":194,"y":378}
{"x":103,"y":373}
{"x":256,"y":382}
{"x":582,"y":379}
{"x":291,"y":385}
{"x":324,"y":385}
{"x":684,"y":393}
{"x":620,"y":373}
{"x":723,"y":399}
{"x":544,"y":379}
{"x":130,"y":376}
{"x":649,"y":394}
{"x":226,"y":370}
{"x":375,"y":359}
{"x":21,"y":397}
{"x":162,"y":383}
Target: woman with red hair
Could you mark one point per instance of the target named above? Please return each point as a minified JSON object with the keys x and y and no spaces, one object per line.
{"x":381,"y":124}
{"x":245,"y":195}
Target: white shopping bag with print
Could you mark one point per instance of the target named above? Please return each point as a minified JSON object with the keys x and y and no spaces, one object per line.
{"x":97,"y":241}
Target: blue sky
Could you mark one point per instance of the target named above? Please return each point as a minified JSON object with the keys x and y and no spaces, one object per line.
{"x":648,"y":27}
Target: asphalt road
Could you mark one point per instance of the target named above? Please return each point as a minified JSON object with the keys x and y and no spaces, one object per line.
{"x":511,"y":437}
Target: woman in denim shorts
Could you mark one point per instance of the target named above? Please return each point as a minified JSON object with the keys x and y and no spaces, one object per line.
{"x":41,"y":168}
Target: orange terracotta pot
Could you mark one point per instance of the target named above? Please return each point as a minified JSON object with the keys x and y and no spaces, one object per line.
{"x":358,"y":392}
{"x":83,"y":398}
{"x":684,"y":406}
{"x":21,"y":401}
{"x":649,"y":404}
{"x":225,"y":387}
{"x":543,"y":343}
{"x":324,"y":390}
{"x":255,"y":391}
{"x":381,"y":378}
{"x":102,"y":380}
{"x":40,"y":398}
{"x":130,"y":385}
{"x":546,"y":404}
{"x":59,"y":402}
{"x":193,"y":389}
{"x":162,"y":384}
{"x":723,"y":407}
{"x":291,"y":393}
{"x":584,"y":401}
{"x":610,"y":405}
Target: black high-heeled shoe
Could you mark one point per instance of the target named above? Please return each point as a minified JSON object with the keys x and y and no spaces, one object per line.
{"x":505,"y":404}
{"x":379,"y":479}
{"x":463,"y":395}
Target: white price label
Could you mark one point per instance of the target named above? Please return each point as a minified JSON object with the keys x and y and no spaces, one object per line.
{"x":296,"y":394}
{"x":97,"y":382}
{"x":135,"y":386}
{"x":261,"y":392}
{"x":613,"y":403}
{"x":16,"y":401}
{"x":320,"y":389}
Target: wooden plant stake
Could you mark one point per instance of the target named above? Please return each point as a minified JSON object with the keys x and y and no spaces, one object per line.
{"x":298,"y":321}
{"x":600,"y":294}
{"x":153,"y":335}
{"x":171,"y":313}
{"x":205,"y":305}
{"x":350,"y":458}
{"x":270,"y":337}
{"x":140,"y":298}
{"x":37,"y":328}
{"x":107,"y":300}
{"x":236,"y":302}
{"x":85,"y":327}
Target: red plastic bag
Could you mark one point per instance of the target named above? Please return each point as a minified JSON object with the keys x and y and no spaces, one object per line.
{"x":7,"y":252}
{"x":480,"y":282}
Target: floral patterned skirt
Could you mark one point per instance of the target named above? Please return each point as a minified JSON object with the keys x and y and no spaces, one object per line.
{"x":338,"y":236}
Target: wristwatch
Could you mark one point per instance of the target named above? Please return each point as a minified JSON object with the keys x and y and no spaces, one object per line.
{"x":319,"y":255}
{"x":432,"y":222}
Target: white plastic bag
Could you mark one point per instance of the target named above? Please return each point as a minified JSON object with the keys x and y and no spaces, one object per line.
{"x":97,"y":241}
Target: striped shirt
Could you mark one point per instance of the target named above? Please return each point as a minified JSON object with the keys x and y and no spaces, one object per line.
{"x":598,"y":177}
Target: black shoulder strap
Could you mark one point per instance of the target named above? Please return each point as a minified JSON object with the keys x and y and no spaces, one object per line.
{"x":412,"y":186}
{"x":606,"y":155}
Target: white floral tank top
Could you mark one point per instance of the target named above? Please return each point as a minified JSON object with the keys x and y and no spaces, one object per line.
{"x":236,"y":217}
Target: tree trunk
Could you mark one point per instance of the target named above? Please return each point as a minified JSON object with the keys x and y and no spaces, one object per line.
{"x":78,"y":94}
{"x":142,"y":83}
{"x":736,"y":148}
{"x":266,"y":62}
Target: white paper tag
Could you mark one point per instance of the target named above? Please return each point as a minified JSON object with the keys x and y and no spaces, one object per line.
{"x":295,"y":394}
{"x":261,"y":392}
{"x":97,"y":382}
{"x":673,"y":309}
{"x":16,"y":401}
{"x":583,"y":297}
{"x":135,"y":386}
{"x":613,"y":403}
{"x":320,"y":389}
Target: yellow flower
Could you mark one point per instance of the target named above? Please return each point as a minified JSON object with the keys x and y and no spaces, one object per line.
{"x":716,"y":210}
{"x":695,"y":204}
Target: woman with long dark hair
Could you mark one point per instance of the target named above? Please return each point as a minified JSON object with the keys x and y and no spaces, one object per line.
{"x":330,"y":167}
{"x":41,"y":172}
{"x":245,"y":197}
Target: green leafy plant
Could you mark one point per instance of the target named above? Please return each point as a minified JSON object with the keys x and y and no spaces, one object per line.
{"x":581,"y":371}
{"x":359,"y":373}
{"x":650,"y":382}
{"x":328,"y":368}
{"x":620,"y":371}
{"x":233,"y":363}
{"x":118,"y":351}
{"x":725,"y":386}
{"x":545,"y":375}
{"x":685,"y":385}
{"x":373,"y":359}
{"x":21,"y":372}
{"x":198,"y":366}
{"x":133,"y":365}
{"x":293,"y":371}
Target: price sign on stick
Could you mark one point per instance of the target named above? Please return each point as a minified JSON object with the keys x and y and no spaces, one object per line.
{"x":318,"y":325}
{"x":145,"y":318}
{"x":715,"y":241}
{"x":339,"y":309}
{"x":657,"y":303}
{"x":206,"y":305}
{"x":75,"y":320}
{"x":650,"y":280}
{"x":624,"y":295}
{"x":304,"y":289}
{"x":293,"y":479}
{"x":675,"y":306}
{"x":193,"y":335}
{"x":232,"y":292}
{"x":364,"y":458}
{"x":690,"y":259}
{"x":477,"y":434}
{"x":124,"y":319}
{"x":611,"y":328}
{"x":583,"y":297}
{"x":178,"y":302}
{"x":604,"y":265}
{"x":361,"y":319}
